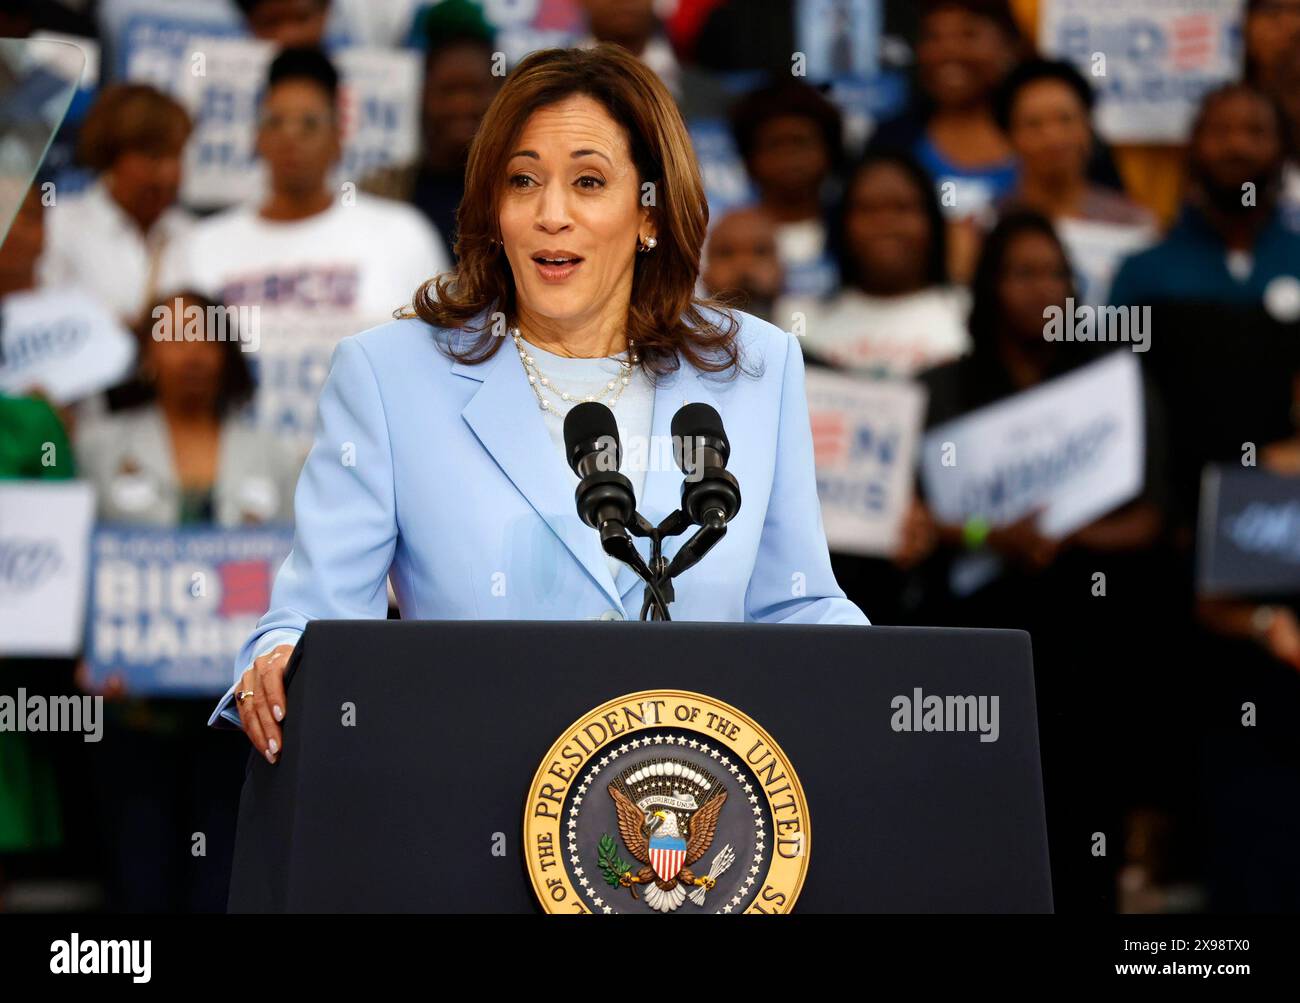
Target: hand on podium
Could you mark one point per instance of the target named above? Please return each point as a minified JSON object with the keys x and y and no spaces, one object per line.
{"x":260,"y":699}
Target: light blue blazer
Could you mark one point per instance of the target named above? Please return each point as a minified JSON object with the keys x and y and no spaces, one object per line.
{"x":443,"y":475}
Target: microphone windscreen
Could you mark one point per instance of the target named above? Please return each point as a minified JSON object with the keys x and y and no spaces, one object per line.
{"x":696,"y":421}
{"x":587,"y":422}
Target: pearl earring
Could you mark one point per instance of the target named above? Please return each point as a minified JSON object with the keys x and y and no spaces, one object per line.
{"x":648,"y":244}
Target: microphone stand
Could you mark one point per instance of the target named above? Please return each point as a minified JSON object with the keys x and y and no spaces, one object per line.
{"x":659,"y":573}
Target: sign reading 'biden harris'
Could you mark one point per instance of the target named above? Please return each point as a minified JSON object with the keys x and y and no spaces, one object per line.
{"x":667,"y":802}
{"x":1072,"y":449}
{"x":169,"y":608}
{"x":865,"y":435}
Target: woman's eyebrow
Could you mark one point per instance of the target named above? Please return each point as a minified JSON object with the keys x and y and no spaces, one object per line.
{"x":574,"y":155}
{"x":589,"y":153}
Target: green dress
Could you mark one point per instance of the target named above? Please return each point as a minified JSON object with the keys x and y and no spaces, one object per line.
{"x":33,"y":445}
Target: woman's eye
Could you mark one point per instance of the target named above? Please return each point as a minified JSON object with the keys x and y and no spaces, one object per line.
{"x":590,"y":181}
{"x":520,"y":181}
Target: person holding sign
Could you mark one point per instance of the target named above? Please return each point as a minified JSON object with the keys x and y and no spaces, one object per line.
{"x":184,"y":452}
{"x":895,"y":315}
{"x":33,"y":446}
{"x":179,"y":457}
{"x":1014,"y":575}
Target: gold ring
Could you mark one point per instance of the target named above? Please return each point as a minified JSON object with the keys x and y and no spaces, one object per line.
{"x":244,"y":695}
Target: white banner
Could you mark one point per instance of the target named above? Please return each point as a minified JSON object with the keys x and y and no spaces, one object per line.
{"x":1073,"y":447}
{"x":44,"y":547}
{"x":1149,"y":62}
{"x":64,"y":344}
{"x":865,"y":435}
{"x":222,"y":83}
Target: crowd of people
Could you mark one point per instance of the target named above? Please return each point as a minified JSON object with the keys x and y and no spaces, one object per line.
{"x":927,"y":247}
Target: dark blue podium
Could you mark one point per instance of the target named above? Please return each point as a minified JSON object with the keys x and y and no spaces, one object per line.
{"x":409,"y":749}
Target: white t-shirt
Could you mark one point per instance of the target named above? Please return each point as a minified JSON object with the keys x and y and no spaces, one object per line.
{"x":886,"y":336}
{"x":801,"y":248}
{"x":1096,"y":249}
{"x":633,"y":410}
{"x":91,"y":243}
{"x":313,"y":281}
{"x":365,"y":259}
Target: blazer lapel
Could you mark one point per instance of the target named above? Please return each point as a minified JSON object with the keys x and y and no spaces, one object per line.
{"x":661,"y":493}
{"x":504,"y":415}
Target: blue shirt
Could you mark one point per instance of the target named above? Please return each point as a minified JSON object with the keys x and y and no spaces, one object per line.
{"x":1191,"y":264}
{"x":975,"y":189}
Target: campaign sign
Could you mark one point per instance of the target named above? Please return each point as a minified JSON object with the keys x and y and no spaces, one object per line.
{"x":170,"y":608}
{"x":1150,"y":62}
{"x":151,"y":39}
{"x":378,"y":107}
{"x":1072,"y":447}
{"x":64,"y":344}
{"x":1248,"y":540}
{"x":839,"y":38}
{"x":524,"y":26}
{"x":865,"y":434}
{"x":44,"y":541}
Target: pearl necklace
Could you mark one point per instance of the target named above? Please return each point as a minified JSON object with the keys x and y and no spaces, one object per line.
{"x":541,"y":384}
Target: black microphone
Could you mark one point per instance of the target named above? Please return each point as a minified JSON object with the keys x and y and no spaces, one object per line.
{"x":591,"y":445}
{"x":604,"y":496}
{"x":710,"y":493}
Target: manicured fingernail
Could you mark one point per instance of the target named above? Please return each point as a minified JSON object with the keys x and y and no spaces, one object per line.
{"x":270,"y":756}
{"x":278,"y":711}
{"x":275,"y":747}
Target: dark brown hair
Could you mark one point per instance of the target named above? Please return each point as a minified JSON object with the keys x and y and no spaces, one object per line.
{"x":237,"y":383}
{"x":665,"y":318}
{"x":131,"y":118}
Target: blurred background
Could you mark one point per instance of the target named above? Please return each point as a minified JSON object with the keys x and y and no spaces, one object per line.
{"x":226,"y":189}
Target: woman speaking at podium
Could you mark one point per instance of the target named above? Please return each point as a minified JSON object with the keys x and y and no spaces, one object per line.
{"x":438,"y":458}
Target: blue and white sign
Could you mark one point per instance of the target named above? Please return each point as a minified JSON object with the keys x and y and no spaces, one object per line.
{"x":1073,"y":447}
{"x":1150,"y":62}
{"x":1249,"y":535}
{"x":170,"y":608}
{"x":44,"y":542}
{"x":61,"y":343}
{"x":865,"y":435}
{"x":378,"y":97}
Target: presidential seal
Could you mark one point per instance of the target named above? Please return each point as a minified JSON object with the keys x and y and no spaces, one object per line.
{"x":666,"y":802}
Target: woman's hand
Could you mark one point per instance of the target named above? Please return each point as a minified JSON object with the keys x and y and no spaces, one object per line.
{"x":260,"y":700}
{"x":113,"y":688}
{"x":1282,"y":637}
{"x":1022,"y":543}
{"x":918,"y":536}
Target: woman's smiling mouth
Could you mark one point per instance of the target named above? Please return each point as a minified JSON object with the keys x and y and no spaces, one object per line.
{"x":556,"y":266}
